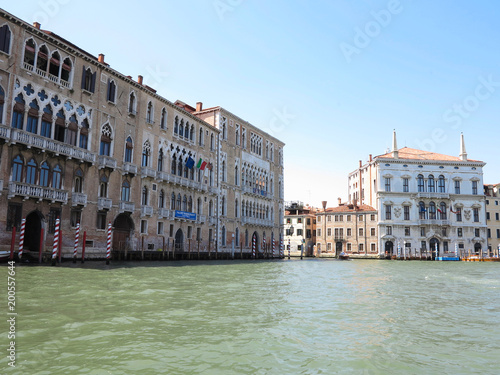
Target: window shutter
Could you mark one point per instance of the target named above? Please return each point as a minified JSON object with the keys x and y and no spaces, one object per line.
{"x":109,"y":90}
{"x":92,"y":84}
{"x":83,"y":77}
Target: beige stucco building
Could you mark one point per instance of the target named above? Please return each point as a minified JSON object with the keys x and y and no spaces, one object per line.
{"x":348,"y":228}
{"x":83,"y":142}
{"x":492,"y":193}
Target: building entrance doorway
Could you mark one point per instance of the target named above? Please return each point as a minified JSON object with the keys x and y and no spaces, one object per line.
{"x":33,"y":231}
{"x":123,"y":230}
{"x":179,"y":240}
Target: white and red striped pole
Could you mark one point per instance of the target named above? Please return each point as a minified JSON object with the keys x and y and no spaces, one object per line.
{"x":56,"y":242}
{"x":108,"y":245}
{"x":253,"y":247}
{"x":282,"y":254}
{"x":289,"y":248}
{"x":274,"y":247}
{"x":77,"y":237}
{"x":21,"y":238}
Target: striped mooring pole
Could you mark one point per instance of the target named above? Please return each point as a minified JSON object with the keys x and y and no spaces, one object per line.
{"x":274,"y":247}
{"x":108,"y":245}
{"x":56,"y":242}
{"x":253,"y":247}
{"x":282,"y":254}
{"x":288,"y":248}
{"x":77,"y":236}
{"x":21,"y":238}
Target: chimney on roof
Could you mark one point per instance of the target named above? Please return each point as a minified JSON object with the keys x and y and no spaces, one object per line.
{"x":199,"y":106}
{"x":360,"y":163}
{"x":370,"y":158}
{"x":340,"y":201}
{"x":101,"y":58}
{"x":324,"y":205}
{"x":394,"y":145}
{"x":139,"y":80}
{"x":463,"y":153}
{"x":37,"y":25}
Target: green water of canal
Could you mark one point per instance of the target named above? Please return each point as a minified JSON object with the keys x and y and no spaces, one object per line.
{"x":256,"y":317}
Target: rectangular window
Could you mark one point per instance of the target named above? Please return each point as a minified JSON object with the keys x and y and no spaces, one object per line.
{"x":159,"y":228}
{"x":14,"y":216}
{"x":487,"y":216}
{"x":361,"y":232}
{"x":388,"y":210}
{"x":348,"y":246}
{"x":144,"y":226}
{"x":388,"y":231}
{"x":198,"y":235}
{"x":348,"y":217}
{"x":498,"y":233}
{"x":459,"y":214}
{"x":101,"y":220}
{"x":387,"y":184}
{"x":373,"y":248}
{"x":422,"y":231}
{"x":423,"y":245}
{"x":460,"y":232}
{"x":361,"y":247}
{"x":496,"y":215}
{"x":349,"y":232}
{"x":474,"y":187}
{"x":319,"y":219}
{"x":372,"y":217}
{"x":190,"y":232}
{"x":299,"y":232}
{"x":476,"y":214}
{"x":336,"y":217}
{"x":308,"y":221}
{"x":288,"y":220}
{"x":75,"y":217}
{"x":489,"y":233}
{"x":318,"y":232}
{"x":406,"y":212}
{"x":329,"y":232}
{"x":457,"y":186}
{"x":361,"y":217}
{"x":443,"y":232}
{"x":329,"y":246}
{"x":476,"y":232}
{"x":329,"y":218}
{"x":299,"y":220}
{"x":372,"y":232}
{"x":407,"y":231}
{"x":406,"y":185}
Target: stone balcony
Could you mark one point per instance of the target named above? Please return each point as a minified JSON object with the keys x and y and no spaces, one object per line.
{"x":433,"y":195}
{"x":257,"y":192}
{"x":129,"y":168}
{"x":165,"y":213}
{"x":78,"y":199}
{"x":433,"y":222}
{"x":146,"y":211}
{"x":126,"y":207}
{"x":45,"y":144}
{"x":104,"y":161}
{"x":104,"y":203}
{"x":148,"y":172}
{"x":38,"y":192}
{"x":212,"y":220}
{"x":201,"y":219}
{"x":164,"y":176}
{"x":257,"y":221}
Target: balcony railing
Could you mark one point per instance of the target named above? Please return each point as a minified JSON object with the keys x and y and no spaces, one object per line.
{"x":104,"y":203}
{"x":129,"y":168}
{"x":148,"y":172}
{"x":34,"y":140}
{"x":212,"y":220}
{"x":213,"y":190}
{"x":433,"y":222}
{"x":163,"y":176}
{"x":44,"y":74}
{"x":78,"y":199}
{"x":106,"y":162}
{"x":5,"y":132}
{"x":127,"y":206}
{"x":146,"y":211}
{"x":434,"y":195}
{"x":35,"y":191}
{"x":257,"y":221}
{"x":165,"y":213}
{"x":201,"y":218}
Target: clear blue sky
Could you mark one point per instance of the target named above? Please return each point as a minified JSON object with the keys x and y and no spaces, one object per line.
{"x":302,"y":70}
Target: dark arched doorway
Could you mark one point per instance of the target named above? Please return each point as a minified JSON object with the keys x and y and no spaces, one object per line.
{"x":389,"y":248}
{"x":123,"y":229}
{"x":434,"y":244}
{"x":179,"y":241}
{"x":32,"y":231}
{"x":255,"y":243}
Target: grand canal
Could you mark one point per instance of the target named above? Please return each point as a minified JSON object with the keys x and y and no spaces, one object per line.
{"x":256,"y":317}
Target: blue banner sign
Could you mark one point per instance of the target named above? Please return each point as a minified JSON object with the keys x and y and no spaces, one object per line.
{"x":185,"y":215}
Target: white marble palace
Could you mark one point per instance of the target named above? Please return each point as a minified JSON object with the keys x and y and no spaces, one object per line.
{"x":426,"y":201}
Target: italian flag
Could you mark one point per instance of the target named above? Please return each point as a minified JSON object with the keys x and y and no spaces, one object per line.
{"x":201,"y":164}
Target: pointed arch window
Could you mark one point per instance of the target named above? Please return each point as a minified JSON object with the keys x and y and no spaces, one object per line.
{"x":46,"y":130}
{"x":54,"y":65}
{"x":88,"y":79}
{"x":5,"y":35}
{"x":42,"y":61}
{"x":129,"y":148}
{"x":84,"y":134}
{"x":173,"y":168}
{"x":176,"y":125}
{"x":186,"y":131}
{"x":32,"y":125}
{"x":78,"y":186}
{"x":179,"y":202}
{"x":18,"y":112}
{"x":144,"y":196}
{"x":103,"y":187}
{"x":172,"y":201}
{"x":132,"y":103}
{"x":161,"y":199}
{"x":163,"y":121}
{"x":190,"y":204}
{"x":160,"y":160}
{"x":184,"y":203}
{"x":105,"y":146}
{"x":191,"y":133}
{"x":111,"y":95}
{"x":60,"y":128}
{"x":236,"y":175}
{"x":72,"y":131}
{"x":149,"y":113}
{"x":236,"y":207}
{"x":198,"y":206}
{"x":57,"y":177}
{"x":200,"y":137}
{"x":179,"y":167}
{"x":223,"y":206}
{"x":44,"y":174}
{"x":146,"y":153}
{"x":66,"y":70}
{"x":29,"y":54}
{"x":31,"y":172}
{"x":17,"y":169}
{"x":2,"y":101}
{"x":181,"y":128}
{"x":223,"y":236}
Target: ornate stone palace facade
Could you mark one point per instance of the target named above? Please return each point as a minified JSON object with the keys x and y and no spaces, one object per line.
{"x":83,"y":142}
{"x":424,"y":200}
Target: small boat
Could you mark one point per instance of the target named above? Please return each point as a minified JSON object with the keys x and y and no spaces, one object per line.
{"x":343,"y":256}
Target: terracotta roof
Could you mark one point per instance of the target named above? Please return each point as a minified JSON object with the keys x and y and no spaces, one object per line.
{"x":414,"y":154}
{"x":348,"y":208}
